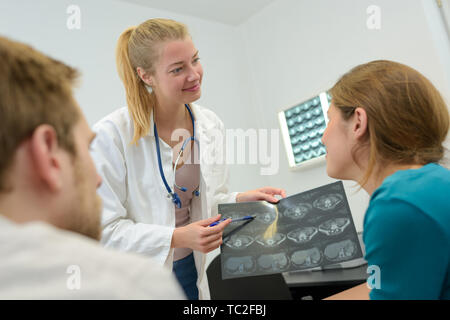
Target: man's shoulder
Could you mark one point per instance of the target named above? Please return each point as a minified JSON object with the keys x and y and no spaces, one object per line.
{"x":50,"y":263}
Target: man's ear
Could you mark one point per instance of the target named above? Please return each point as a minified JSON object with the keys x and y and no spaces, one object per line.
{"x":359,"y":127}
{"x":145,"y":76}
{"x":46,"y":156}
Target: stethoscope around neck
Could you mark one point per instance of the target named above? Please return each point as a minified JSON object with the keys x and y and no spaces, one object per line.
{"x":172,"y":194}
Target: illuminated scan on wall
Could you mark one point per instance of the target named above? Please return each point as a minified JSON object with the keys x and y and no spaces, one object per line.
{"x":302,"y":127}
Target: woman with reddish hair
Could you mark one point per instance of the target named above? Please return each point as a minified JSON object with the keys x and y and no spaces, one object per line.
{"x":387,"y":125}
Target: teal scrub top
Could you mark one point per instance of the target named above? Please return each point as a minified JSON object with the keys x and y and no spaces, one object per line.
{"x":407,"y":234}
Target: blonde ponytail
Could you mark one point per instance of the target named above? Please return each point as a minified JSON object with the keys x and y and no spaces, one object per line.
{"x":138,"y":47}
{"x":140,"y":102}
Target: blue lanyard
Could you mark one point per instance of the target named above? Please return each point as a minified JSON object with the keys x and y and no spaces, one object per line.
{"x":175,"y":198}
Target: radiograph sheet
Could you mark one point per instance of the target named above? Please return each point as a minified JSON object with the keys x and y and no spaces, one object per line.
{"x":307,"y":230}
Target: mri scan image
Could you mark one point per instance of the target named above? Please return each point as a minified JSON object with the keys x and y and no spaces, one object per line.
{"x":311,"y":229}
{"x":238,"y":241}
{"x":302,"y":235}
{"x":339,"y":251}
{"x":266,"y":217}
{"x":240,"y":265}
{"x":307,"y":258}
{"x":275,"y":262}
{"x":271,"y":242}
{"x":298,"y":211}
{"x":334,"y":226}
{"x":234,"y":215}
{"x":328,"y":202}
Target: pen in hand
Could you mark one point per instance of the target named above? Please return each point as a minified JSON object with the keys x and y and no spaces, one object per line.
{"x":233,"y":220}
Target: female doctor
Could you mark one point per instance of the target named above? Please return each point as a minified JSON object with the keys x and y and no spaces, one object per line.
{"x":159,"y":194}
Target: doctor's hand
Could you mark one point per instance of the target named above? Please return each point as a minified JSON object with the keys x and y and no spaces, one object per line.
{"x":199,"y":235}
{"x":266,"y":193}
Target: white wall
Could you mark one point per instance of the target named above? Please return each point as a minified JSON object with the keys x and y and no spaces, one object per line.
{"x":91,"y":49}
{"x":289,"y":51}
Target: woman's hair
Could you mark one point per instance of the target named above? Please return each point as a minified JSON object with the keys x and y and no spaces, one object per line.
{"x":140,"y":47}
{"x":407,"y":118}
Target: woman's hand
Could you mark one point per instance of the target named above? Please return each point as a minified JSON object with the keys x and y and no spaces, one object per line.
{"x":266,"y":193}
{"x":199,"y":236}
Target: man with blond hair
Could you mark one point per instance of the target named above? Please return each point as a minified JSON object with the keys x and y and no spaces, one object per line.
{"x":49,"y":208}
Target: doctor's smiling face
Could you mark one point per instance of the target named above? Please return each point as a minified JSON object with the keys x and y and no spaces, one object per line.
{"x":178,"y":73}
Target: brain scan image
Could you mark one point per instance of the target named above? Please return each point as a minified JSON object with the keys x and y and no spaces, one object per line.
{"x":307,"y":258}
{"x":271,"y":242}
{"x":238,"y":241}
{"x":340,"y":251}
{"x":334,"y":226}
{"x":302,"y":235}
{"x":240,"y":265}
{"x":276,"y":262}
{"x":266,"y":217}
{"x":298,"y":211}
{"x":328,"y":202}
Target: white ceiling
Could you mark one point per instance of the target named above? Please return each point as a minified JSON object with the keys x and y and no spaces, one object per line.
{"x":231,"y":12}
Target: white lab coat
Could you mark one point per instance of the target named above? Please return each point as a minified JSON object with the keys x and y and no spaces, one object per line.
{"x":138,"y":216}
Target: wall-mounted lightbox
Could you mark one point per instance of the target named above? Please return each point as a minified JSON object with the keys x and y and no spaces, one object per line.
{"x":302,"y":127}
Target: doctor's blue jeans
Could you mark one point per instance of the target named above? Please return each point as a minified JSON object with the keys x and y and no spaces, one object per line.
{"x":186,"y":273}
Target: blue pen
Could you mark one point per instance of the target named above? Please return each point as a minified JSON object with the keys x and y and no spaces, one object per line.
{"x":233,"y":220}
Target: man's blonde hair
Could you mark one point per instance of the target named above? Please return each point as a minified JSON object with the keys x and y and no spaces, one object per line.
{"x":34,"y":90}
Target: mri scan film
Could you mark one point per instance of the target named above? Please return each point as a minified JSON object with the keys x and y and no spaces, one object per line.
{"x":307,"y":230}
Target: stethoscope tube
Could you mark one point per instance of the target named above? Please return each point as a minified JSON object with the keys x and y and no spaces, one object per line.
{"x":175,"y":197}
